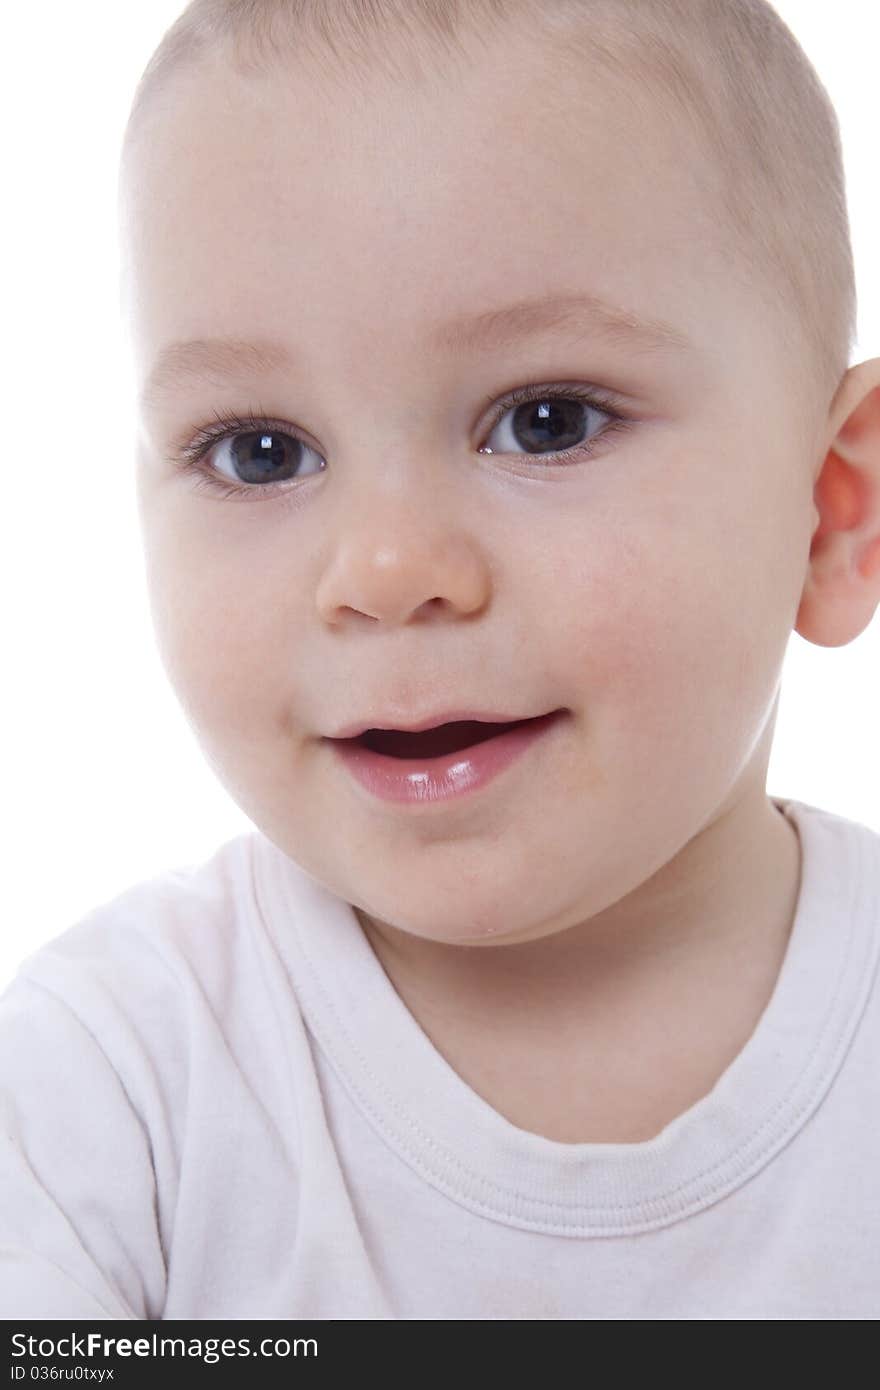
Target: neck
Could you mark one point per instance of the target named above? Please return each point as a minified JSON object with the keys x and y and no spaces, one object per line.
{"x":713,"y":923}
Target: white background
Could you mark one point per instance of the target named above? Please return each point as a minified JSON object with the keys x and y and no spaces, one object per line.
{"x":104,"y":783}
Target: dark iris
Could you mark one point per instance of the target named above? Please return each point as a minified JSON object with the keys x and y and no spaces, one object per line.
{"x":554,"y":423}
{"x":258,"y":455}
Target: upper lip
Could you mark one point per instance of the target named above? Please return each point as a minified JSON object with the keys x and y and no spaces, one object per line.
{"x":432,"y":721}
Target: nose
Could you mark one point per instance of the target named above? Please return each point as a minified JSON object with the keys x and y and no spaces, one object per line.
{"x":396,"y":566}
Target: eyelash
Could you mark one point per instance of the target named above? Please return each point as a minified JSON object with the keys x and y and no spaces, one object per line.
{"x":190,"y":458}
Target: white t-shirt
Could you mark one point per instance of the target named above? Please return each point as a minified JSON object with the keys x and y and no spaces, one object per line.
{"x":215,"y":1105}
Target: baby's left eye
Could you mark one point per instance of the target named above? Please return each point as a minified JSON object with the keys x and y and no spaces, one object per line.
{"x":551,"y":423}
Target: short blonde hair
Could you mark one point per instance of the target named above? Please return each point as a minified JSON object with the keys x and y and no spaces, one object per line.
{"x":731,"y":68}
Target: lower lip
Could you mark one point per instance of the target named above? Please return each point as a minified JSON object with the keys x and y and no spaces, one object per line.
{"x":416,"y":782}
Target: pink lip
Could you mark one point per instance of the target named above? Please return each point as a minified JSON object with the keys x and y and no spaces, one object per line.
{"x":414,"y":781}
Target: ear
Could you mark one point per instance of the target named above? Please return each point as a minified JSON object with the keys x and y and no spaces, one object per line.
{"x":842,"y":587}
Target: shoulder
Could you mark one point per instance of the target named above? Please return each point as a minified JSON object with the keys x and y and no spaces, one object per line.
{"x":841,"y":855}
{"x":836,"y":942}
{"x":153,"y":1060}
{"x":162,"y":928}
{"x":141,"y":972}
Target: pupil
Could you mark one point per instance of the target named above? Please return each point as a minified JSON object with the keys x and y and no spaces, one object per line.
{"x":258,"y":457}
{"x":557,"y":424}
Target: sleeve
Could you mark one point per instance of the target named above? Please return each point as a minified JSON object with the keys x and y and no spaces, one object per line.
{"x":79,"y":1236}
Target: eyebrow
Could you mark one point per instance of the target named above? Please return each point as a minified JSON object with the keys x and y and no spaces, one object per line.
{"x":581,"y":315}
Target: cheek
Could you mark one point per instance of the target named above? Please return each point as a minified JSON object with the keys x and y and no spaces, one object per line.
{"x":669,"y":637}
{"x":218,"y":612}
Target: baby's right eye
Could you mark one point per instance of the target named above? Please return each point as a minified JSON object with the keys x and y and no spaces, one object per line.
{"x":262,"y":457}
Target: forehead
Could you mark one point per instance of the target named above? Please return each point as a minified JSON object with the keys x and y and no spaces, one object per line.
{"x":286,"y":202}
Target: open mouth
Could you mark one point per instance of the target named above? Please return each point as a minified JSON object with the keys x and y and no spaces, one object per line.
{"x":434,"y":743}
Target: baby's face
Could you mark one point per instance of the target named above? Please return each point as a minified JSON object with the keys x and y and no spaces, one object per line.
{"x":644,"y":576}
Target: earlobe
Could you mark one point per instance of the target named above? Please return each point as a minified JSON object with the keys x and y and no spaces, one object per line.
{"x":868,"y":563}
{"x":842,"y":587}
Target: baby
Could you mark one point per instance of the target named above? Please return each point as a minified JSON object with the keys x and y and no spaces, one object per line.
{"x":496,"y":430}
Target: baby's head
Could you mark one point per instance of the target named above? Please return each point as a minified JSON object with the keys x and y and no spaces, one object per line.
{"x":351,"y":234}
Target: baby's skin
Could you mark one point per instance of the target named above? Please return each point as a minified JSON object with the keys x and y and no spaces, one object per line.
{"x":591,"y":936}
